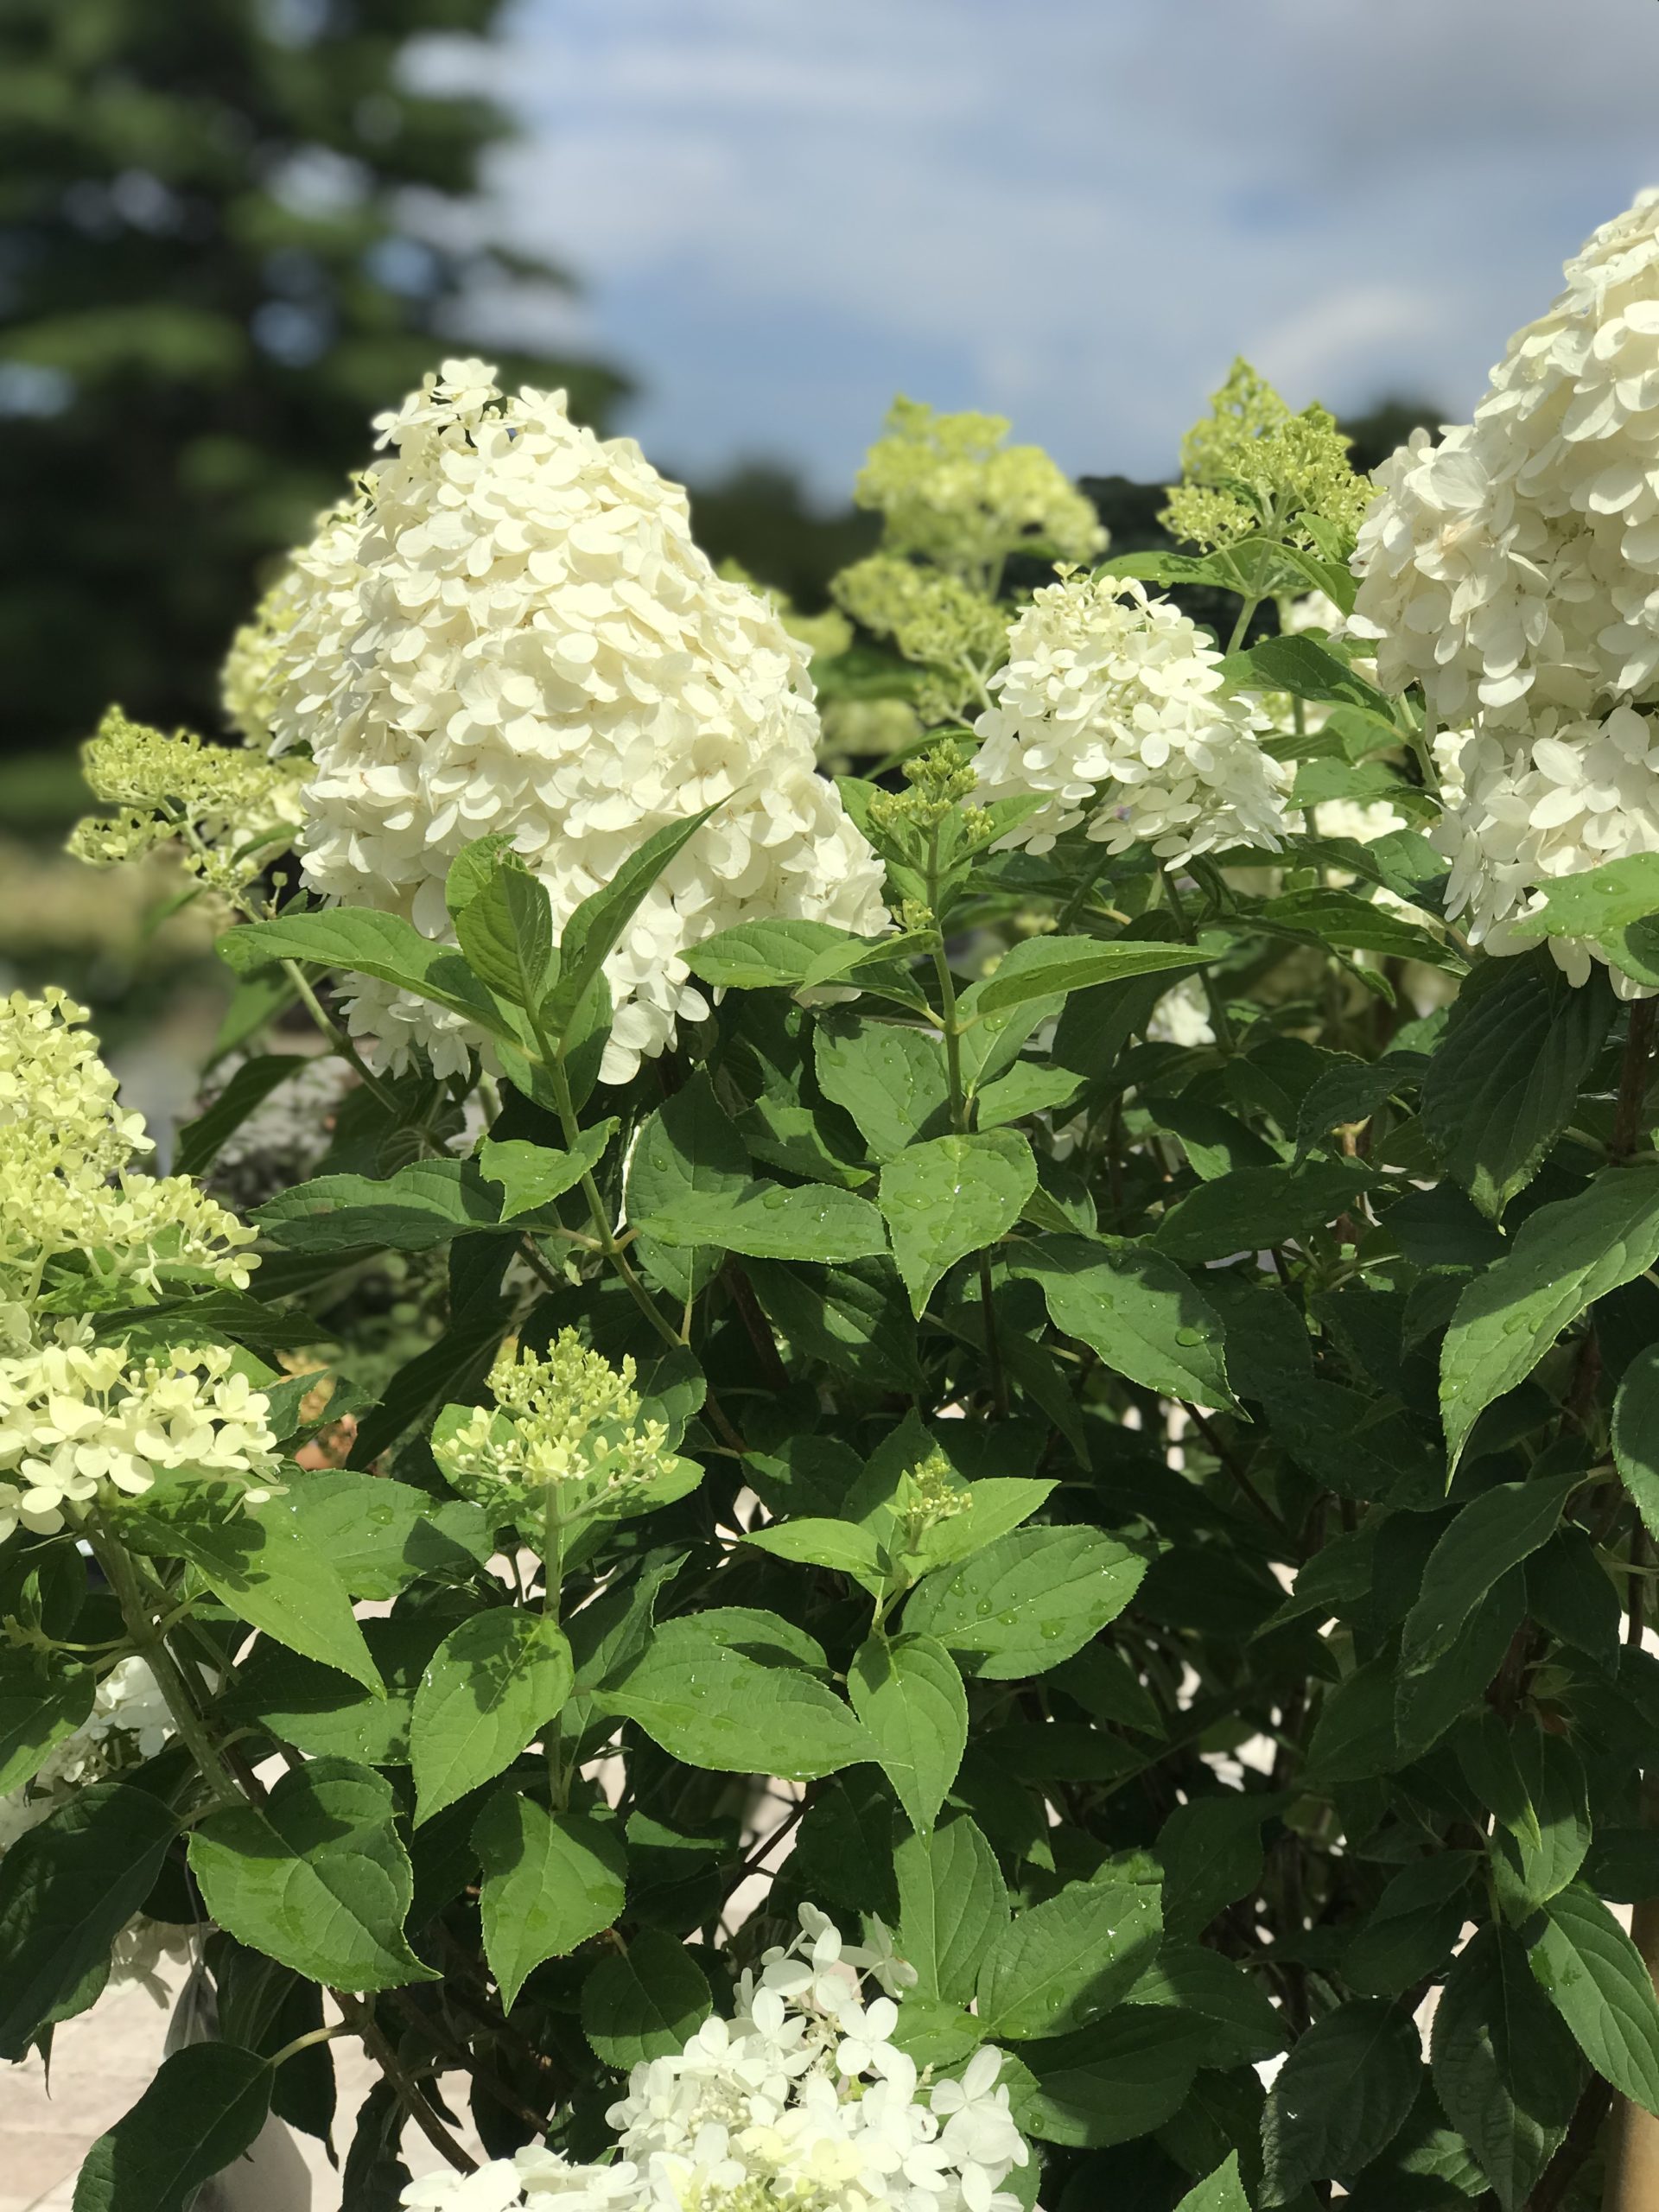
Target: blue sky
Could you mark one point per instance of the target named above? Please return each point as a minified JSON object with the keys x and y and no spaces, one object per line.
{"x":1071,"y":212}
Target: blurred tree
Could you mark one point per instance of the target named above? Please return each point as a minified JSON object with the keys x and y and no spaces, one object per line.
{"x":230,"y":231}
{"x":759,"y":516}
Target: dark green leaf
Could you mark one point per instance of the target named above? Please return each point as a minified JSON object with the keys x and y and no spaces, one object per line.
{"x":1339,"y":2098}
{"x":67,"y":1888}
{"x":1599,"y":1983}
{"x":1504,"y":2067}
{"x":688,"y":1149}
{"x":44,"y":1696}
{"x":1563,"y":1258}
{"x":1488,"y":1536}
{"x":202,"y":2111}
{"x":369,"y":942}
{"x":1636,"y":1434}
{"x":645,"y":2002}
{"x":1505,"y":1081}
{"x":198,"y":1143}
{"x":1255,"y":1207}
{"x":1110,"y":2082}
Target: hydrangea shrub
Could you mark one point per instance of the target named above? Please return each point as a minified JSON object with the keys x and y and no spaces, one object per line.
{"x":931,"y":1491}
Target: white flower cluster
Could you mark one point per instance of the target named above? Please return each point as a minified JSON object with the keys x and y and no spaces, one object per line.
{"x":129,"y":1723}
{"x":510,"y":631}
{"x":801,"y":2101}
{"x":76,"y":1416}
{"x":1511,"y":567}
{"x":1519,"y":815}
{"x":1113,"y":702}
{"x":67,"y":1195}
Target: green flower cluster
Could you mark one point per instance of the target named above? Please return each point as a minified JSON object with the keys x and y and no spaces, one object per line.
{"x":1251,"y":464}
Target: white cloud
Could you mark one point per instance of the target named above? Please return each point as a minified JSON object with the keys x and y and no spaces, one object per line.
{"x":1074,"y":210}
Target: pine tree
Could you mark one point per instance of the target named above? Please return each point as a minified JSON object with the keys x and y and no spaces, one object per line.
{"x":228,"y":237}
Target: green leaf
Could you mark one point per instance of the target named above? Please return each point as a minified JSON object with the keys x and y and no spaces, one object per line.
{"x":491,"y":1685}
{"x":424,"y":1204}
{"x":504,"y":930}
{"x":1636,"y":1434}
{"x":1506,"y":2069}
{"x":378,"y":1536}
{"x":531,"y":1176}
{"x":551,"y":1881}
{"x":204,"y":2108}
{"x":1027,"y":1089}
{"x":765,"y":1221}
{"x":594,"y":930}
{"x":1349,"y":922}
{"x":1233,"y":2015}
{"x":1340,"y":2098}
{"x":909,"y":1696}
{"x":840,"y":1545}
{"x":1505,"y":1080}
{"x":316,"y":1877}
{"x":709,"y":1703}
{"x":44,"y":1696}
{"x":369,"y":943}
{"x":1107,"y":2084}
{"x":1223,"y":2192}
{"x":1597,"y":904}
{"x":950,"y":1197}
{"x":1564,"y":1257}
{"x":1599,"y":1983}
{"x":889,"y":1077}
{"x":952,"y":1905}
{"x":1488,"y":1536}
{"x":1049,"y":967}
{"x":198,"y":1141}
{"x":856,"y":1317}
{"x":1253,"y":1208}
{"x":759,"y":956}
{"x":1308,"y":669}
{"x":1539,"y":1854}
{"x":1028,"y":1601}
{"x":1062,"y":1964}
{"x":67,"y":1888}
{"x":646,"y":2002}
{"x":688,"y":1149}
{"x":1136,"y":1310}
{"x":260,"y":1561}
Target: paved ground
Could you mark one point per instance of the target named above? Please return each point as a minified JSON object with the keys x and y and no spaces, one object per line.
{"x":101,"y":2064}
